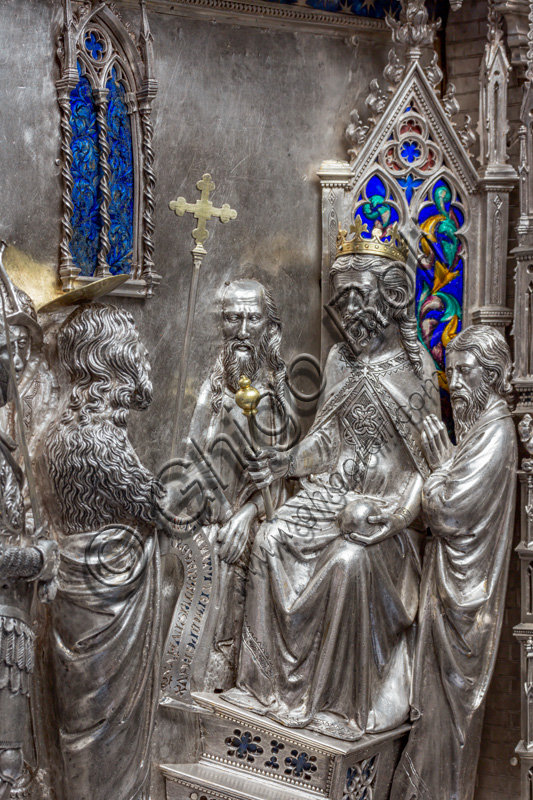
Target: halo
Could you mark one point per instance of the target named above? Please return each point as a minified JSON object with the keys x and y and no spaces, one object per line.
{"x":86,"y":293}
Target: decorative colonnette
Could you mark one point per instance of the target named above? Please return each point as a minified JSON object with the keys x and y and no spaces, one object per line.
{"x":105,"y":94}
{"x":523,"y":383}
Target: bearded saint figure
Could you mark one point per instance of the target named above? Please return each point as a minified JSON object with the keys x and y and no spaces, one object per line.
{"x":106,"y":622}
{"x":332,"y":591}
{"x":218,"y":435}
{"x":468,"y":503}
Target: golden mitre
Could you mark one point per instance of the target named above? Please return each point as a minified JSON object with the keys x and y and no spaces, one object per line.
{"x":388,"y":243}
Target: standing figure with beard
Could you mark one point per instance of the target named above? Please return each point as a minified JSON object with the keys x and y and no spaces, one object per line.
{"x":106,"y":621}
{"x":468,"y":503}
{"x":332,"y":592}
{"x":251,"y":329}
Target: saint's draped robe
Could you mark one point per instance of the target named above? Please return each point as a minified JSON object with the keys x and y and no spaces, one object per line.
{"x":106,"y":629}
{"x":469,"y":509}
{"x":216,"y":447}
{"x":328,"y":632}
{"x":106,"y":619}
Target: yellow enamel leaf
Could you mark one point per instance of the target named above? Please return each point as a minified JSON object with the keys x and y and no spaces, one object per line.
{"x":443,"y":380}
{"x":450,"y":331}
{"x":442,"y":277}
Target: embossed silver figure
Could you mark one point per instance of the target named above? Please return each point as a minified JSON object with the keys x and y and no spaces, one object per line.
{"x":218,"y":436}
{"x":332,"y":593}
{"x":37,"y":384}
{"x":468,"y":503}
{"x":26,"y":558}
{"x":106,"y":620}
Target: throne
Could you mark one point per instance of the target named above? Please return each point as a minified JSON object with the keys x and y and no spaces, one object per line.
{"x":409,"y":166}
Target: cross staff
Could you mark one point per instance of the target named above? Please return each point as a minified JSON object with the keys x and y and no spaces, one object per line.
{"x":203,"y":210}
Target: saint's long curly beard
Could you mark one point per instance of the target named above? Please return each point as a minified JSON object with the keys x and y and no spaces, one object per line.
{"x":237,"y":363}
{"x":467,"y":406}
{"x":144,"y":390}
{"x":97,"y":476}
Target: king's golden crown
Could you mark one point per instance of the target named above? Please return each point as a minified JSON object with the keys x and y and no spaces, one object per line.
{"x":388,"y":243}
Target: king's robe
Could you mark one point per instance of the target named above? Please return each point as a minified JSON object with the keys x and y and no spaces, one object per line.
{"x":470,"y":509}
{"x":328,"y":633}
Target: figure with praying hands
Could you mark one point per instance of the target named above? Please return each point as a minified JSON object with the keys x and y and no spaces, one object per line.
{"x":468,"y":503}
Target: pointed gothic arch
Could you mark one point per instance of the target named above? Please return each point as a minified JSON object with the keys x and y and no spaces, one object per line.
{"x":105,"y":94}
{"x":445,"y":206}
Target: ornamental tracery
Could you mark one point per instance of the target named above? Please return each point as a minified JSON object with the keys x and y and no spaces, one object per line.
{"x":410,"y":165}
{"x":105,"y":94}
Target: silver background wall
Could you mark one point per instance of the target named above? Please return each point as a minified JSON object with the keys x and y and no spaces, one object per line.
{"x":259,"y":109}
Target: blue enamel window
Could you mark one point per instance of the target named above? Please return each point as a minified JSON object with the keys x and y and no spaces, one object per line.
{"x":86,"y":172}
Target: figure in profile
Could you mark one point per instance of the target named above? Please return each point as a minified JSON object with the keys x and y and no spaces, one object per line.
{"x":468,"y":503}
{"x":332,"y":592}
{"x":106,"y":621}
{"x":251,"y":330}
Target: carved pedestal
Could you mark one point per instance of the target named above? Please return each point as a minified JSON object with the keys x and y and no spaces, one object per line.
{"x":250,"y":757}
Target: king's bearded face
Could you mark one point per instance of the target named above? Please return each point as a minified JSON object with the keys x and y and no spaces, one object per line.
{"x":245,"y":329}
{"x":469,"y":389}
{"x":362,"y":310}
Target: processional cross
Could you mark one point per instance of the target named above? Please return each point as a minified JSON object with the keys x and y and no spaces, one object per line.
{"x":203,"y":210}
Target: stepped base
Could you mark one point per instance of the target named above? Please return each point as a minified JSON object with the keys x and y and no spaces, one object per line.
{"x":246,"y":756}
{"x":206,"y":782}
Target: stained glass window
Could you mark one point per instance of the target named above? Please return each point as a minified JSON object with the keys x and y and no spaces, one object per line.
{"x":376,"y":9}
{"x":121,"y":180}
{"x":414,"y":186}
{"x":440,"y":278}
{"x":376,"y":207}
{"x":86,"y":175}
{"x":105,"y":96}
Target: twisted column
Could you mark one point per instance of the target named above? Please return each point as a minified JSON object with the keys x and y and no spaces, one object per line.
{"x":148,"y":197}
{"x":67,"y":270}
{"x":102,"y":268}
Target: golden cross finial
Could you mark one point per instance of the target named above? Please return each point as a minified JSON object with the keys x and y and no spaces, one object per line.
{"x":203,"y":209}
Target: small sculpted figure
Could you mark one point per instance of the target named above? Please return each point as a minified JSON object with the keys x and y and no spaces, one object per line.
{"x":525,"y":431}
{"x":34,"y":378}
{"x":468,"y":503}
{"x":106,"y":623}
{"x":251,"y":330}
{"x":332,"y":592}
{"x":37,"y":386}
{"x":26,"y":558}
